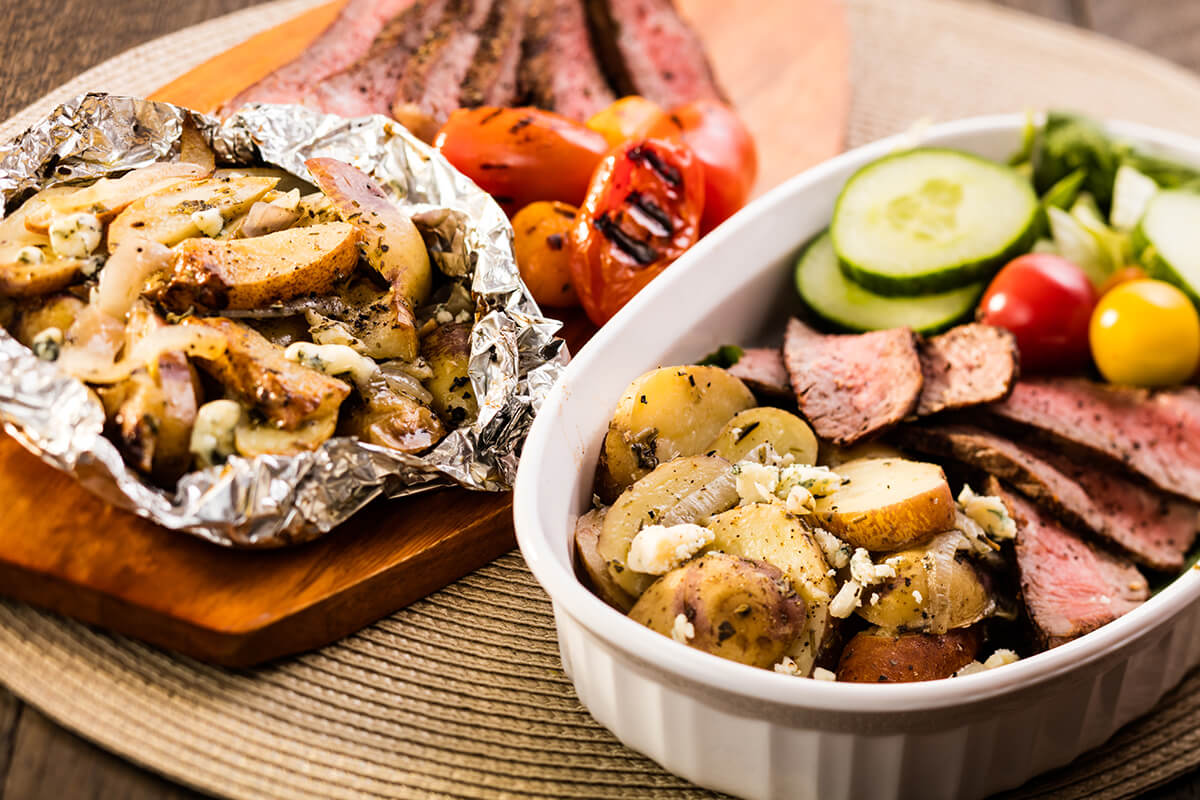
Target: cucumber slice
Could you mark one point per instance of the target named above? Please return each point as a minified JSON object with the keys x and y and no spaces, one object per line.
{"x":930,"y":220}
{"x":1167,"y":241}
{"x":841,"y":302}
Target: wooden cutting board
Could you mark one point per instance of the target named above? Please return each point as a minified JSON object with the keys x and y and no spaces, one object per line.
{"x":64,"y":549}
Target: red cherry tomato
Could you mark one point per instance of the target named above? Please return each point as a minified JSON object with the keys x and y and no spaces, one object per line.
{"x":642,"y":212}
{"x":723,"y":145}
{"x":522,"y":155}
{"x":1047,"y":303}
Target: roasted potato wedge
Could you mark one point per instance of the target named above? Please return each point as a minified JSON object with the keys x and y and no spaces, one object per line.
{"x":683,"y":490}
{"x":108,"y":197}
{"x":888,"y":503}
{"x":754,"y":427}
{"x":667,"y":412}
{"x":33,"y":278}
{"x":766,"y":532}
{"x":285,"y":181}
{"x":879,"y":656}
{"x":390,"y":418}
{"x":253,"y":273}
{"x":587,"y":537}
{"x":252,"y":439}
{"x":736,"y":608}
{"x":54,"y":311}
{"x":370,"y":320}
{"x":447,"y":349}
{"x":170,"y":215}
{"x":937,"y":588}
{"x":257,"y":373}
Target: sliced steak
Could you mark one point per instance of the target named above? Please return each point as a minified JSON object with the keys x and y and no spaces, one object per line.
{"x":1151,"y":528}
{"x":492,"y":78}
{"x":967,"y":366}
{"x":1069,"y":586}
{"x":852,"y":386}
{"x":761,"y":368}
{"x":559,"y":70}
{"x":648,"y":49}
{"x":1152,"y":433}
{"x":343,"y":42}
{"x":369,"y":85}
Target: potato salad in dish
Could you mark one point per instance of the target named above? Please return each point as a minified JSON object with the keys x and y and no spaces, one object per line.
{"x":222,"y":311}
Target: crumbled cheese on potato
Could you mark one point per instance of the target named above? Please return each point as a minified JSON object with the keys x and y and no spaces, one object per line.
{"x":213,"y":434}
{"x":866,"y":572}
{"x":755,"y":482}
{"x":658,"y":549}
{"x":988,"y":512}
{"x":822,"y":674}
{"x":209,"y":221}
{"x":820,"y":481}
{"x":75,"y":235}
{"x":333,"y":359}
{"x":682,"y":631}
{"x":443,"y":317}
{"x":999,"y":658}
{"x":837,"y":553}
{"x":31,"y":255}
{"x":787,"y":666}
{"x":800,"y":501}
{"x":848,"y":598}
{"x":917,"y":596}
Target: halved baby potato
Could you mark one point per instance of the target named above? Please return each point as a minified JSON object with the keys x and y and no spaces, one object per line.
{"x":736,"y":608}
{"x":888,"y":503}
{"x":253,"y":439}
{"x":785,"y":432}
{"x":587,"y":538}
{"x":665,"y":413}
{"x":937,"y":588}
{"x":683,"y":490}
{"x":879,"y":656}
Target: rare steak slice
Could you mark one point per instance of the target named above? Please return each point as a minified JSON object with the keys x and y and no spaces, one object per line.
{"x":343,"y":42}
{"x":852,"y":386}
{"x":761,"y":368}
{"x":1153,"y":529}
{"x":966,"y":366}
{"x":559,"y":70}
{"x":1069,"y":587}
{"x":492,"y":78}
{"x":1153,"y":433}
{"x":369,"y":85}
{"x":648,"y":49}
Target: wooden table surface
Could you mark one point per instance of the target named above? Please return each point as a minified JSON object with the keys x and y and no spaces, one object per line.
{"x":43,"y":47}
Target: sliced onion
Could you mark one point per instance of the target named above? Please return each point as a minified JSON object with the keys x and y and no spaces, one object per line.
{"x":125,"y":274}
{"x":192,"y":340}
{"x":940,"y":565}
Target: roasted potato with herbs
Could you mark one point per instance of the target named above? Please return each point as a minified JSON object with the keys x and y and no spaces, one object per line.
{"x":736,"y":608}
{"x":108,"y":197}
{"x":879,"y":656}
{"x":447,"y":349}
{"x":258,"y":439}
{"x":683,"y":490}
{"x":52,"y":311}
{"x":937,"y":588}
{"x":587,"y":538}
{"x":787,"y":434}
{"x":540,"y":234}
{"x":360,"y":315}
{"x":887,"y":503}
{"x":667,"y":412}
{"x":390,"y":418}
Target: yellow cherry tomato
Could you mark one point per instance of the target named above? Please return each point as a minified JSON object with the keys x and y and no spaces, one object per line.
{"x":1145,"y":333}
{"x":624,"y":118}
{"x":540,"y":241}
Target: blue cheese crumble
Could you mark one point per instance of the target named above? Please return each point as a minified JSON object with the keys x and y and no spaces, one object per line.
{"x":213,"y":434}
{"x":658,"y":549}
{"x":209,"y":221}
{"x":333,"y":359}
{"x":988,"y":512}
{"x":75,"y":235}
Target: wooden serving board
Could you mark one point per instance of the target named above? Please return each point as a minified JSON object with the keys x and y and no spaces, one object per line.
{"x":64,"y":549}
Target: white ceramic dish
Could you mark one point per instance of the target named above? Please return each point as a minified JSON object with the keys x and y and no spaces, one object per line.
{"x":751,"y":732}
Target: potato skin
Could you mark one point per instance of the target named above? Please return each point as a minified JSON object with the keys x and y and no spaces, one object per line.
{"x":447,"y":348}
{"x":877,"y":656}
{"x":593,"y":566}
{"x":742,"y":610}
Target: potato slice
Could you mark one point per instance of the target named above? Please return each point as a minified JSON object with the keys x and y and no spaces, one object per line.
{"x":879,"y":656}
{"x":937,"y":588}
{"x":262,"y":440}
{"x":766,"y":532}
{"x":56,"y":311}
{"x":35,"y":278}
{"x":667,"y":412}
{"x":448,"y":350}
{"x":754,"y":427}
{"x":888,"y":503}
{"x":372,"y":321}
{"x":108,"y":197}
{"x":684,"y":490}
{"x":593,"y":565}
{"x":256,"y":372}
{"x":391,"y":418}
{"x":735,"y":608}
{"x":252,"y":273}
{"x":167,"y":215}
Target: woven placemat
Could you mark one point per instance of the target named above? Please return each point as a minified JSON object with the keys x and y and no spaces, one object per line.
{"x":462,"y":694}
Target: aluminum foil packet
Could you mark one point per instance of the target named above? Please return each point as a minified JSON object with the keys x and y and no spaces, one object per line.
{"x":270,"y":501}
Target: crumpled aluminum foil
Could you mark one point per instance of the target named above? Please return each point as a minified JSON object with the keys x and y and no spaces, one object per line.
{"x":270,"y":500}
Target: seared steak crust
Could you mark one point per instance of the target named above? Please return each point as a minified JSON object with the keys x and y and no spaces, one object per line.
{"x":761,"y":368}
{"x":851,"y":387}
{"x":1151,"y":528}
{"x":559,"y":70}
{"x":1153,"y":433}
{"x":492,"y":78}
{"x":965,"y":366}
{"x":1069,"y":586}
